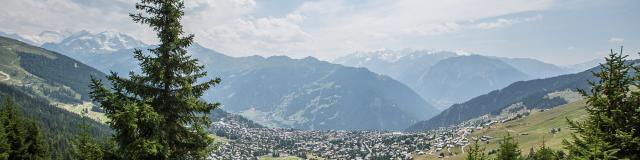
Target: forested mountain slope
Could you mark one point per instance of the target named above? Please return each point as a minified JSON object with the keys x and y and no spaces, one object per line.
{"x":532,"y":93}
{"x":40,"y":81}
{"x":299,"y":93}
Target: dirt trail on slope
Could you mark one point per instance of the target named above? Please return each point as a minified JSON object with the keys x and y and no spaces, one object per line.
{"x":6,"y":76}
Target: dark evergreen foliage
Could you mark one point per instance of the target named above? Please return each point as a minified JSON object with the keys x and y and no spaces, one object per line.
{"x":86,"y":148}
{"x":508,"y":149}
{"x":545,"y":153}
{"x":158,"y":114}
{"x":5,"y":148}
{"x":612,"y":129}
{"x":57,"y":125}
{"x":25,"y":140}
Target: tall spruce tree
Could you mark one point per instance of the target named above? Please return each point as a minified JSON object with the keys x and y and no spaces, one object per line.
{"x":612,"y":128}
{"x":158,"y":114}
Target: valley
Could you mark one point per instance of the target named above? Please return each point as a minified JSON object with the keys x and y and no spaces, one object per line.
{"x":318,"y":85}
{"x":319,"y":80}
{"x":548,"y":124}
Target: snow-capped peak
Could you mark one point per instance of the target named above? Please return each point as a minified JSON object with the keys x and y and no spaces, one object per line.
{"x":461,"y":52}
{"x":103,"y":42}
{"x":391,"y":56}
{"x":38,"y":39}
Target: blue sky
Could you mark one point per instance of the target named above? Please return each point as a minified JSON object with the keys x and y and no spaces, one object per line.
{"x":555,"y":31}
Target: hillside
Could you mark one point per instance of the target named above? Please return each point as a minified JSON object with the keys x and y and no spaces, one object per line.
{"x":298,"y":93}
{"x":52,"y":89}
{"x":47,"y":74}
{"x":532,"y":93}
{"x":531,"y":130}
{"x":37,"y":79}
{"x":59,"y":125}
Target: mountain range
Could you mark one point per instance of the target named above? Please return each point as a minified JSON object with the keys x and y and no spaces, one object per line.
{"x":40,"y":38}
{"x":461,"y":78}
{"x":307,"y":93}
{"x":277,"y":91}
{"x":444,"y":78}
{"x":538,"y":93}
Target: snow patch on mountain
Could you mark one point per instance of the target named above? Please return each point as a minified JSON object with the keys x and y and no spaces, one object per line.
{"x":49,"y":36}
{"x":40,"y":38}
{"x":386,"y":55}
{"x":100,"y":43}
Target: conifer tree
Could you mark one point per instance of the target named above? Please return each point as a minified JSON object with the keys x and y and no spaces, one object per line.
{"x":4,"y":144}
{"x":86,"y":148}
{"x":158,"y":114}
{"x":508,"y":149}
{"x":612,"y":128}
{"x":545,"y":153}
{"x":24,"y":138}
{"x":475,"y":152}
{"x":37,"y":148}
{"x":14,"y":129}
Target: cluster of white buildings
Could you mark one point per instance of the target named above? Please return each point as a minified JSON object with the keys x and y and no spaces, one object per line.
{"x":250,"y":143}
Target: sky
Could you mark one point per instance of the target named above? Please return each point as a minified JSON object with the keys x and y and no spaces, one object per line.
{"x":555,"y":31}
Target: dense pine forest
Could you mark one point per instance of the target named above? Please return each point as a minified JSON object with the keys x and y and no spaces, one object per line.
{"x":58,"y":129}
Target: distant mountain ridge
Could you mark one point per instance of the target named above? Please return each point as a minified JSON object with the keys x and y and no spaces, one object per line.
{"x":404,"y":65}
{"x":461,"y":78}
{"x":38,"y":39}
{"x":85,"y":42}
{"x":532,"y":94}
{"x":298,"y":93}
{"x":536,"y":69}
{"x":416,"y":69}
{"x":584,"y":65}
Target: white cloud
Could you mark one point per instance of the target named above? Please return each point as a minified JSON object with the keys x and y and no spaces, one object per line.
{"x":30,"y":17}
{"x":323,"y":28}
{"x":506,"y":22}
{"x":497,"y":24}
{"x":615,"y":40}
{"x":264,"y":36}
{"x":338,"y":27}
